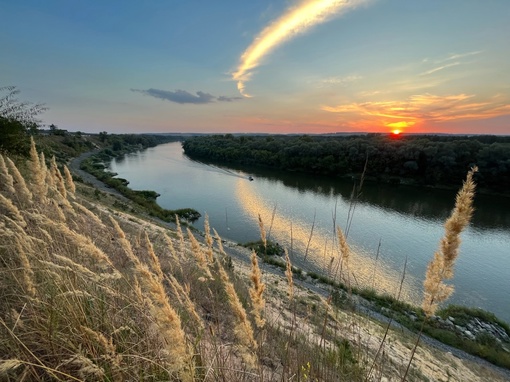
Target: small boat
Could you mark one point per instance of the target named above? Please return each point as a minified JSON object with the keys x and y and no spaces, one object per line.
{"x":250,"y":178}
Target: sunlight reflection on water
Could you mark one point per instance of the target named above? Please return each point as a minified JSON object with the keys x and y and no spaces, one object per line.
{"x":323,"y":250}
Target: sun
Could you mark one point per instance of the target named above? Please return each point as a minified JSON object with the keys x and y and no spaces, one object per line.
{"x":396,"y":132}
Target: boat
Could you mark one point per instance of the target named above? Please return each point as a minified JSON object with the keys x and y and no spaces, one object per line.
{"x":250,"y":178}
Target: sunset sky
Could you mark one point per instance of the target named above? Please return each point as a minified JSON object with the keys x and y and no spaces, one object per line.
{"x":279,"y":66}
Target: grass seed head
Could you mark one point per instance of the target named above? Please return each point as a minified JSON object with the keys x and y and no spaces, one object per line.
{"x":288,"y":274}
{"x":257,"y":292}
{"x":208,"y":240}
{"x":441,"y":266}
{"x":69,"y":180}
{"x":22,"y":192}
{"x":6,"y":180}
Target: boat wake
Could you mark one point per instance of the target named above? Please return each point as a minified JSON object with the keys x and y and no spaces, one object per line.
{"x":222,"y":170}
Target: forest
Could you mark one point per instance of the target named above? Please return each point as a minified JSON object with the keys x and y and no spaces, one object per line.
{"x":428,"y":160}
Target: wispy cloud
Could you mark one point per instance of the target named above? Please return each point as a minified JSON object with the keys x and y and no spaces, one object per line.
{"x":426,"y":107}
{"x":438,"y":68}
{"x":294,"y":21}
{"x":445,"y":63}
{"x":183,"y":97}
{"x":457,"y":56}
{"x":342,"y":81}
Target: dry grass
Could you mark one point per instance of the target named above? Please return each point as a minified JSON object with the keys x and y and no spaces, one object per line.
{"x":441,"y":266}
{"x":87,"y":294}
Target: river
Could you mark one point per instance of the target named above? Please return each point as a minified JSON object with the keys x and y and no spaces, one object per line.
{"x":389,"y":223}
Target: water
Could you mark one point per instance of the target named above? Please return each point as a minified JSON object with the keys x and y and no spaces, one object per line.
{"x":407,"y":222}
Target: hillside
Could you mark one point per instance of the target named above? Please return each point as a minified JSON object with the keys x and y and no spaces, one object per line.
{"x":92,"y":289}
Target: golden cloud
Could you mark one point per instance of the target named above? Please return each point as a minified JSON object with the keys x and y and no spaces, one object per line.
{"x":426,"y":107}
{"x":293,"y":22}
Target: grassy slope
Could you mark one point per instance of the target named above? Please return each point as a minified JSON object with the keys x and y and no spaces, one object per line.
{"x":84,"y":298}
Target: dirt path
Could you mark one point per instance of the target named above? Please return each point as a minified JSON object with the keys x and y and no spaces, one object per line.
{"x":74,"y":166}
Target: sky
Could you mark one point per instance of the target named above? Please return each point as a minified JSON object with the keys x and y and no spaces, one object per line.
{"x":261,"y":66}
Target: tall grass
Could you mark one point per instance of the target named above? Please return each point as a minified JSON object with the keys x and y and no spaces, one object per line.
{"x":89,"y":295}
{"x":441,"y":266}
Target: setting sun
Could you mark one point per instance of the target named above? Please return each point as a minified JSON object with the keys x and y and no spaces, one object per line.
{"x":395,"y":132}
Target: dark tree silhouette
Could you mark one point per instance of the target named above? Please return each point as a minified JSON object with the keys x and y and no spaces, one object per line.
{"x":18,"y":120}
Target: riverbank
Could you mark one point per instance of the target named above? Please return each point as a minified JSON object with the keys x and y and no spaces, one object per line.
{"x":357,"y":319}
{"x":372,"y":308}
{"x":438,"y":162}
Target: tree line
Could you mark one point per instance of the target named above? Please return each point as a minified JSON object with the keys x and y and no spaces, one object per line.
{"x":431,"y":160}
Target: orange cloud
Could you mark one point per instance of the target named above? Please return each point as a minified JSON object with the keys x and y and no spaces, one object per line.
{"x":425,"y":108}
{"x":400,"y":124}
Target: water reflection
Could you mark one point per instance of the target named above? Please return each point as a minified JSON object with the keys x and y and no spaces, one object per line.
{"x":432,"y":204}
{"x":323,"y":253}
{"x":408,"y":220}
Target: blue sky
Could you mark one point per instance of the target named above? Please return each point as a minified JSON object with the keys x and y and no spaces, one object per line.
{"x":262,"y":66}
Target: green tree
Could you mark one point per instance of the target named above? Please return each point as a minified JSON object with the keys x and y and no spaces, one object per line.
{"x":102,"y":136}
{"x":17,"y":120}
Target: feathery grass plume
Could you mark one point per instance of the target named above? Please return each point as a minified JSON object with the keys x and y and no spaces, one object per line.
{"x":208,"y":240}
{"x":6,"y":180}
{"x":138,"y":290}
{"x":181,"y":294}
{"x":256,"y":292}
{"x":198,"y":253}
{"x":242,"y":329}
{"x":220,"y":244}
{"x":124,"y":243}
{"x":175,"y":289}
{"x":111,"y":356}
{"x":7,"y":366}
{"x":27,"y":272}
{"x":44,"y":171}
{"x":179,"y":235}
{"x":16,"y":318}
{"x":84,"y":243}
{"x":263,"y":236}
{"x":167,"y":320}
{"x":156,"y":265}
{"x":22,"y":192}
{"x":57,"y":213}
{"x":85,"y":211}
{"x":75,"y":293}
{"x":57,"y":177}
{"x":170,"y":246}
{"x":84,"y":271}
{"x":56,"y":267}
{"x":344,"y":255}
{"x":69,"y":180}
{"x":58,"y":184}
{"x":86,"y":368}
{"x":34,"y":156}
{"x":42,"y":162}
{"x":288,"y":274}
{"x":38,"y":183}
{"x":441,"y":266}
{"x":8,"y":208}
{"x":165,"y":316}
{"x":45,"y":234}
{"x":99,"y":338}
